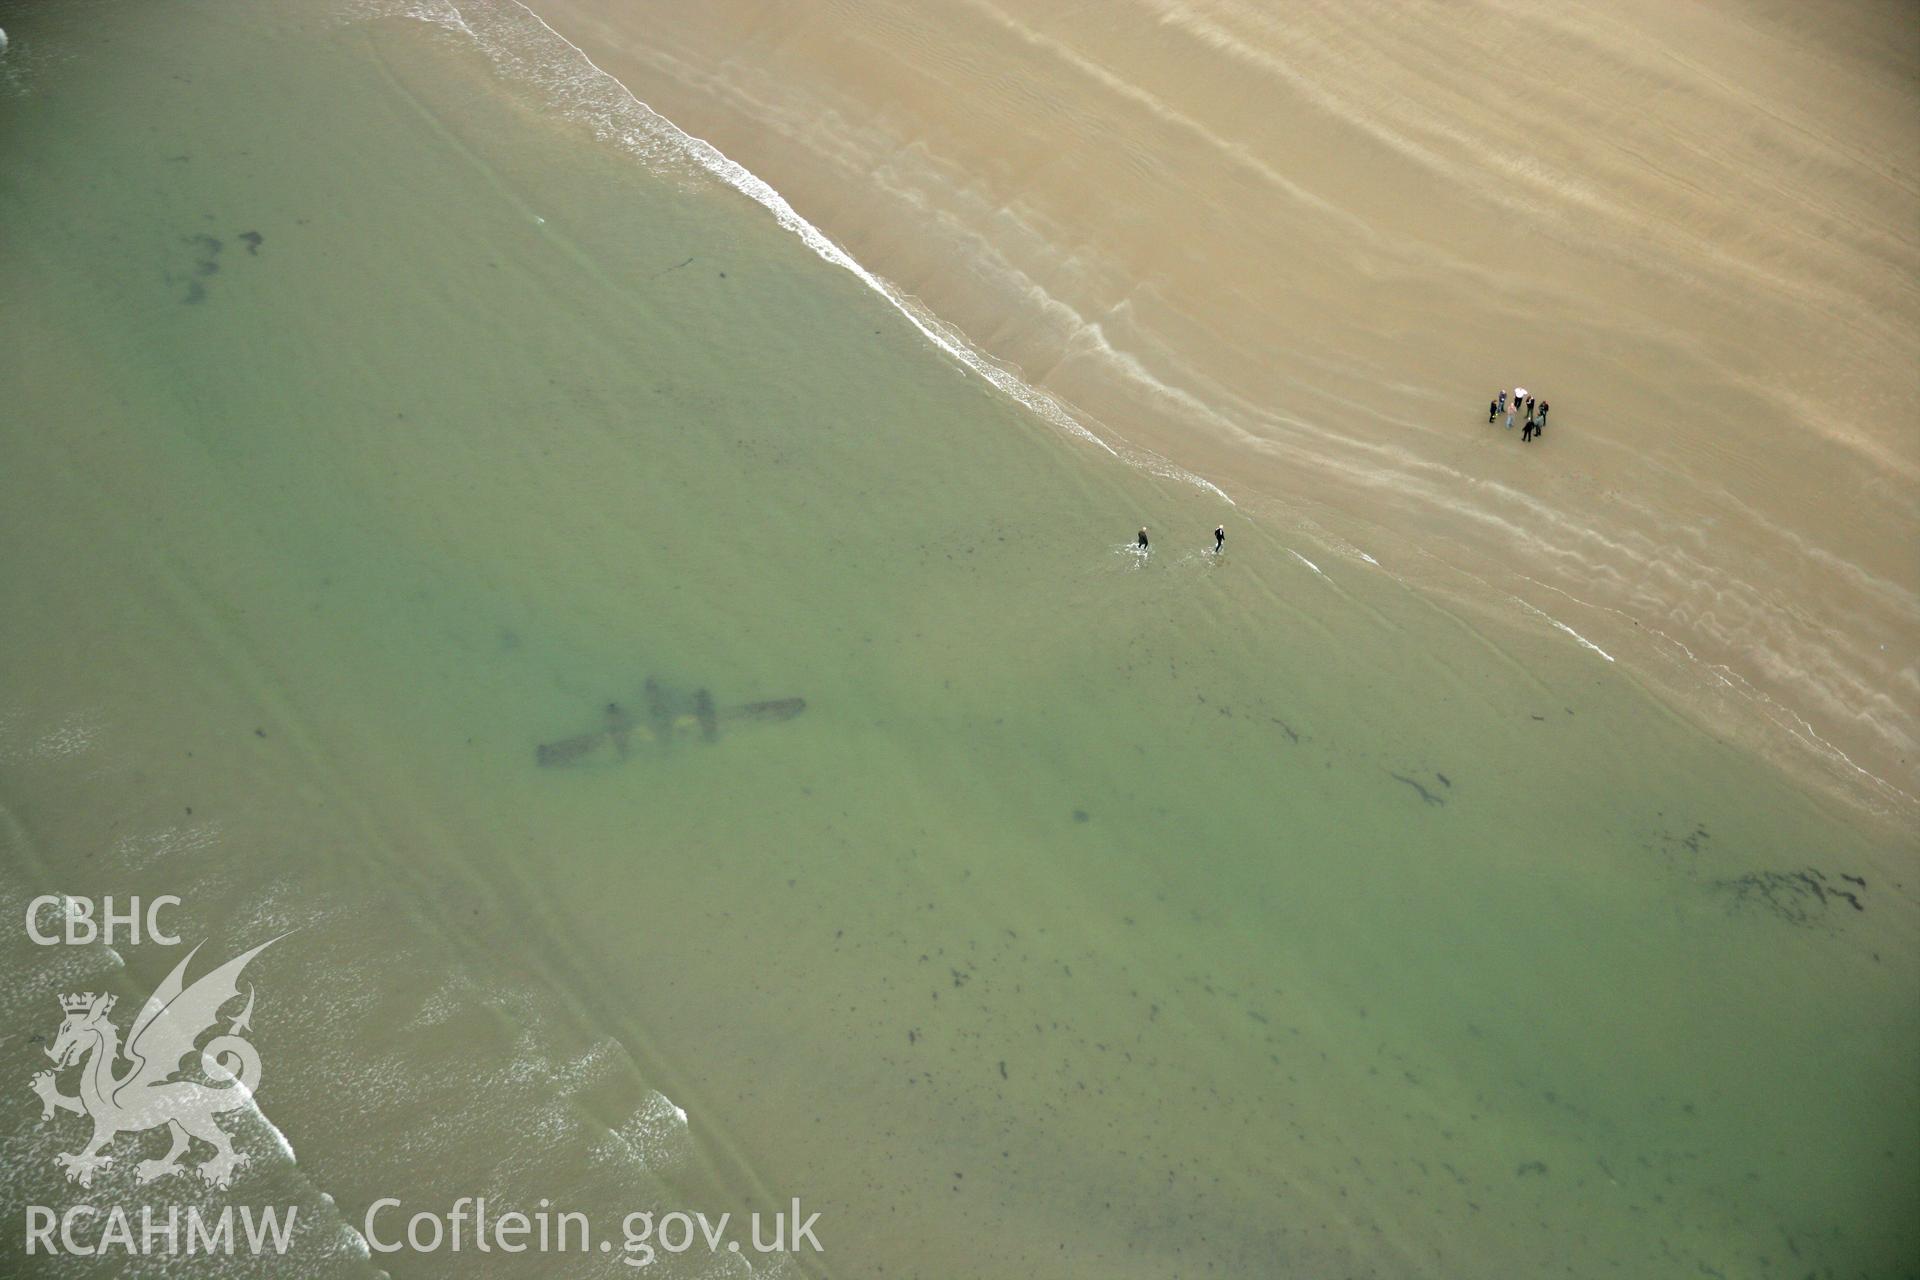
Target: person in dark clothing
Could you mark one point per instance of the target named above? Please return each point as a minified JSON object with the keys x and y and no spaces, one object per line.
{"x":1219,"y":538}
{"x":1143,"y":537}
{"x":1528,"y":432}
{"x":1493,"y":410}
{"x":1540,"y":420}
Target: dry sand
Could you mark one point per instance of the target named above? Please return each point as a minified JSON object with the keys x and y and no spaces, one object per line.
{"x":1295,"y":249}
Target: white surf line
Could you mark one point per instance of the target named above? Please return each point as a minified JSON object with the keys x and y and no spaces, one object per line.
{"x":458,"y":17}
{"x":749,"y":184}
{"x":1052,"y":408}
{"x":1310,"y":564}
{"x":1806,"y":733}
{"x":1582,"y":639}
{"x":1563,"y":627}
{"x":1131,"y":367}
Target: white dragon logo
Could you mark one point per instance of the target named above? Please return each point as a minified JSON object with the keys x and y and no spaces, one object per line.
{"x":148,"y":1094}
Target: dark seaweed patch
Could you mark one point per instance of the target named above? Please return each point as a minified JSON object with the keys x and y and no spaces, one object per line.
{"x":1425,"y":794}
{"x":205,"y":263}
{"x":1798,"y":897}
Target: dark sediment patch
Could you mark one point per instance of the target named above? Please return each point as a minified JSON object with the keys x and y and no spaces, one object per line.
{"x":1798,"y":897}
{"x":1425,"y":795}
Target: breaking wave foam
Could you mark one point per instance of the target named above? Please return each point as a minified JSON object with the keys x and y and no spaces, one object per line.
{"x":518,"y":41}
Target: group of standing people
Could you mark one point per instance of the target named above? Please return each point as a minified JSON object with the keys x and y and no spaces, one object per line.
{"x":1536,"y":412}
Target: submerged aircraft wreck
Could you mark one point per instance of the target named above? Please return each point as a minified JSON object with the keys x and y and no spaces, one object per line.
{"x":665,"y":718}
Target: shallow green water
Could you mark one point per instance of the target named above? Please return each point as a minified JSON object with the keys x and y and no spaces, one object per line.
{"x":1098,"y":917}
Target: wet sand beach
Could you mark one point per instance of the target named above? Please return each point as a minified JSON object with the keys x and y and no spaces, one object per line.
{"x":1295,"y":249}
